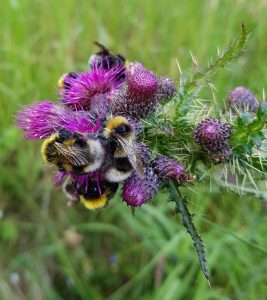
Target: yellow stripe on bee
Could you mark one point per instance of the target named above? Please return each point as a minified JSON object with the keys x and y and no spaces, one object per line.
{"x":45,"y":144}
{"x":69,"y":142}
{"x":119,"y":152}
{"x":93,"y":204}
{"x":113,"y":123}
{"x":60,"y":82}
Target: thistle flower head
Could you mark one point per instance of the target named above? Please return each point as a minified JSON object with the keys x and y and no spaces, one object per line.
{"x":40,"y":120}
{"x":142,"y":84}
{"x":123,"y":103}
{"x":167,"y":168}
{"x":137,"y":191}
{"x":243,"y":99}
{"x":213,"y":136}
{"x":81,"y":90}
{"x":166,"y":89}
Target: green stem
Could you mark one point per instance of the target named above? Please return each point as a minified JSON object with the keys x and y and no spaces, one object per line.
{"x":187,"y":217}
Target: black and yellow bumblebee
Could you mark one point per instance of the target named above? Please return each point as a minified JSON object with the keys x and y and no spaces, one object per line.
{"x":95,"y":195}
{"x":72,"y":152}
{"x":125,"y":158}
{"x":62,"y":82}
{"x":107,"y":60}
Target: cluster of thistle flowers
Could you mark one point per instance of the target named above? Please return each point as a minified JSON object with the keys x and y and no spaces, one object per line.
{"x":87,"y":100}
{"x":213,"y":135}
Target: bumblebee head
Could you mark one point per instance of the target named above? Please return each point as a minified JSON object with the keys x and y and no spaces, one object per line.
{"x":118,"y":126}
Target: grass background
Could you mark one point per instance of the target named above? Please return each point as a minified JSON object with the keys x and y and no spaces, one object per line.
{"x":49,"y":251}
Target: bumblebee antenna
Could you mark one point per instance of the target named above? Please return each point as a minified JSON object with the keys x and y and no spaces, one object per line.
{"x":101,"y":46}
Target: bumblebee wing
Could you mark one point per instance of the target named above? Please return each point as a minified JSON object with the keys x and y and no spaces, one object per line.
{"x":131,"y":153}
{"x":76,"y":156}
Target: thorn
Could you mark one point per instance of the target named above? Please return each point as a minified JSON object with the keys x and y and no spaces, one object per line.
{"x":179,"y":67}
{"x":209,"y":284}
{"x":194,"y":61}
{"x":218,"y":51}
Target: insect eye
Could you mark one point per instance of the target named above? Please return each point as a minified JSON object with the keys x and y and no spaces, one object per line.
{"x":121,"y":129}
{"x":80,"y":143}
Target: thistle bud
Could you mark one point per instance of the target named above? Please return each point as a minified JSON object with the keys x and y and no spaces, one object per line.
{"x":213,"y":136}
{"x":137,"y":191}
{"x":243,"y":99}
{"x":142,"y":84}
{"x":166,"y":89}
{"x":167,"y":168}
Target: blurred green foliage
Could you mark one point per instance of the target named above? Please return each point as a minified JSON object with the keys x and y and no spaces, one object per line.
{"x":49,"y":251}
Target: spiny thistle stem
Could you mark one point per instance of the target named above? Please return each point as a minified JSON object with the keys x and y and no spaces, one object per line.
{"x":187,"y":217}
{"x":232,"y":51}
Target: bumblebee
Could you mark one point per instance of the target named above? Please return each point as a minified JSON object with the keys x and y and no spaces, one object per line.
{"x":107,"y":60}
{"x":62,"y":83}
{"x":125,"y":158}
{"x":72,"y":152}
{"x":94,"y":196}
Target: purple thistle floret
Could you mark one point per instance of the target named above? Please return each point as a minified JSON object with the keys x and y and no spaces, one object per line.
{"x":167,"y":168}
{"x":213,"y":136}
{"x":135,"y":124}
{"x":142,"y":84}
{"x":243,"y":99}
{"x":79,"y":181}
{"x":137,"y":191}
{"x":81,"y":91}
{"x":166,"y":89}
{"x":144,"y":152}
{"x":59,"y":176}
{"x":80,"y":122}
{"x":40,"y":120}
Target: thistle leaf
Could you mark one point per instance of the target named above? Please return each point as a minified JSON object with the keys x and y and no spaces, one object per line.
{"x":248,"y":132}
{"x":200,"y":77}
{"x":181,"y":205}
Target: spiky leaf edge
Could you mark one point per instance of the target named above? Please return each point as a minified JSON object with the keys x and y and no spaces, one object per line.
{"x":232,"y":51}
{"x":187,"y":218}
